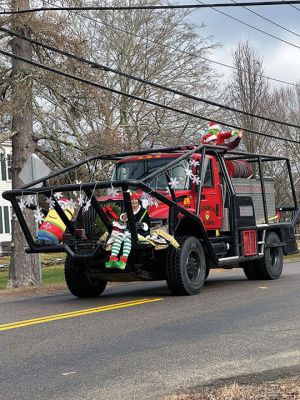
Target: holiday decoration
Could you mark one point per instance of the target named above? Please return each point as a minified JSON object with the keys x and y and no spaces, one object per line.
{"x":58,"y":195}
{"x":38,"y":215}
{"x":22,"y":204}
{"x":208,"y":138}
{"x":196,"y":179}
{"x":81,"y":199}
{"x":194,"y":163}
{"x":214,"y":128}
{"x":153,"y":202}
{"x":29,"y":200}
{"x":71,"y":204}
{"x":112,"y":211}
{"x":77,"y":183}
{"x":148,"y":201}
{"x":189,"y":172}
{"x":215,"y":136}
{"x":52,"y":229}
{"x":121,"y":237}
{"x":87,"y":206}
{"x":51,"y":202}
{"x":112,"y":192}
{"x":145,"y":201}
{"x":173,"y":183}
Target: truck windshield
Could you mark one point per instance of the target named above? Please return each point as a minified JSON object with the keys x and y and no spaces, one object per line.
{"x":139,"y":169}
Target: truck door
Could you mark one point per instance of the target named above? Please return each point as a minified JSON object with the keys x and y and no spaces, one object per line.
{"x":211,"y":210}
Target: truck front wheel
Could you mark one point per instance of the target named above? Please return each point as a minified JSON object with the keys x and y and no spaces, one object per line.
{"x":270,"y":266}
{"x":78,"y":282}
{"x":186,"y":267}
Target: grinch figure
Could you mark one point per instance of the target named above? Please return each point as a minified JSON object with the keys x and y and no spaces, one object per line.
{"x":214,"y":135}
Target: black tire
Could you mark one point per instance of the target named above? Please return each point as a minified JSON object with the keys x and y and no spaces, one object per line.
{"x":78,"y":283}
{"x":207,"y":272}
{"x":270,"y":266}
{"x":186,"y":267}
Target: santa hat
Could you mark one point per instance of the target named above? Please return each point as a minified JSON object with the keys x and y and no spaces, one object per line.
{"x":134,"y":196}
{"x":208,"y":138}
{"x":213,"y":125}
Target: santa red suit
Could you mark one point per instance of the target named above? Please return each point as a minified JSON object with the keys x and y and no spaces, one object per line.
{"x":215,"y":135}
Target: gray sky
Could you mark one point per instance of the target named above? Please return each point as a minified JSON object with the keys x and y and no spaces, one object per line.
{"x":281,"y":60}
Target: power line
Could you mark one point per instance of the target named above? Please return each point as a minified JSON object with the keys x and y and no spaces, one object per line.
{"x":169,"y":108}
{"x":251,"y":26}
{"x":157,"y":7}
{"x":296,"y":8}
{"x":144,"y":81}
{"x":269,"y":20}
{"x":185,"y":52}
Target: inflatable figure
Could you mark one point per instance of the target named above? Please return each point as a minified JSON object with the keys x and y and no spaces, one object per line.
{"x":52,"y":229}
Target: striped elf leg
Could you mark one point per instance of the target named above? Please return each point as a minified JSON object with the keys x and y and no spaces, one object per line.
{"x":126,"y":249}
{"x":116,"y":247}
{"x":115,"y":250}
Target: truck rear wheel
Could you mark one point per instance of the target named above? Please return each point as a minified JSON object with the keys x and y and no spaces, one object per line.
{"x":78,"y":283}
{"x":270,"y":266}
{"x":186,"y":267}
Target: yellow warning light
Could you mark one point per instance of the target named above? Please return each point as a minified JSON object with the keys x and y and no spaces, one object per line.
{"x":186,"y":201}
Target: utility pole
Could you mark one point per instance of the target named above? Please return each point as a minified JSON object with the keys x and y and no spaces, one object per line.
{"x":24,"y":268}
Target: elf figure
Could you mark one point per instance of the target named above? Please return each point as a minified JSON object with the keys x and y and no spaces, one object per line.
{"x":215,"y":136}
{"x":121,"y":236}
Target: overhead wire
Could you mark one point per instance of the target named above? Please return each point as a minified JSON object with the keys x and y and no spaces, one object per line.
{"x":251,"y":26}
{"x":185,"y":52}
{"x":269,"y":20}
{"x":144,"y":81}
{"x":91,"y":83}
{"x":149,"y":7}
{"x":296,"y":8}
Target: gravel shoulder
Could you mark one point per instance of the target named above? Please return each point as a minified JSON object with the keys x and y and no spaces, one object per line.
{"x":281,"y":384}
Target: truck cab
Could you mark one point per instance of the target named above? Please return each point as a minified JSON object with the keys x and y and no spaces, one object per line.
{"x":186,"y":190}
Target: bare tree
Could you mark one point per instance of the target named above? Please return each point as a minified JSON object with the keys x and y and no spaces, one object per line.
{"x":161,"y":47}
{"x":248,"y":90}
{"x":287,"y":101}
{"x":23,"y":269}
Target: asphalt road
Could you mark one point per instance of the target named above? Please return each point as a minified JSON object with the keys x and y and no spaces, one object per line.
{"x":148,"y":349}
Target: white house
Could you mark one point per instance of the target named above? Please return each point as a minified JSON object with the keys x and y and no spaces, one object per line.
{"x":5,"y":206}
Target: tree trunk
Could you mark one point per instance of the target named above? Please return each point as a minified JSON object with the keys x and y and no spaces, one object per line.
{"x":24,"y":269}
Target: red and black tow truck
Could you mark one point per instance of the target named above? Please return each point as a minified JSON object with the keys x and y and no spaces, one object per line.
{"x":217,"y":204}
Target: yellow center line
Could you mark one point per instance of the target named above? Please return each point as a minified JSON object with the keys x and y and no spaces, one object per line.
{"x":72,"y":314}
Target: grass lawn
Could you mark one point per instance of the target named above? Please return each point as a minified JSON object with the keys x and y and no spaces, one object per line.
{"x":50,"y":274}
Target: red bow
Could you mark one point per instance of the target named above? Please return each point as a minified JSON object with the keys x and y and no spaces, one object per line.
{"x":108,"y":210}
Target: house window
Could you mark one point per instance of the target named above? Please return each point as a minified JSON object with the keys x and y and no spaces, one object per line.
{"x":3,"y":169}
{"x":6,"y":167}
{"x":1,"y":221}
{"x":9,"y":166}
{"x":6,"y":219}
